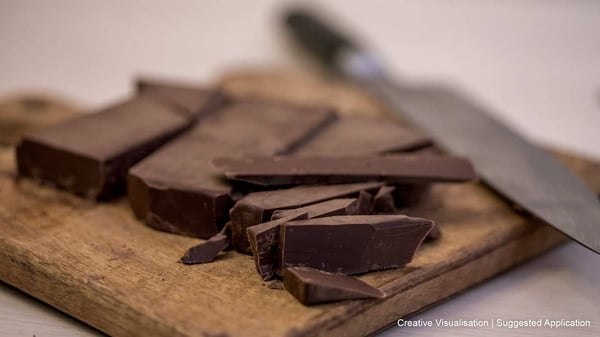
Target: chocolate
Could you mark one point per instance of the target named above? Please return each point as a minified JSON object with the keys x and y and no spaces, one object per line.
{"x":310,"y":286}
{"x":351,"y":244}
{"x":188,"y":99}
{"x":357,"y":135}
{"x":177,"y":190}
{"x":90,"y":154}
{"x":258,"y":207}
{"x":206,"y":251}
{"x":434,"y":234}
{"x":264,"y":240}
{"x":285,"y":171}
{"x":346,"y":206}
{"x":384,"y":201}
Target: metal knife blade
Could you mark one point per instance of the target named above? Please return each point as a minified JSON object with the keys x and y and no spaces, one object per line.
{"x":517,"y":169}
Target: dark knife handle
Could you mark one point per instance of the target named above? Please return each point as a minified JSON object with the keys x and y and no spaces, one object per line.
{"x":322,"y":41}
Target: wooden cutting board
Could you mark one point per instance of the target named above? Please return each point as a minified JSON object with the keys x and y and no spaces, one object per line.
{"x":97,"y":263}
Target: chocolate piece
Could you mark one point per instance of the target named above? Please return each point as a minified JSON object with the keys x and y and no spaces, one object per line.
{"x":258,"y":207}
{"x":357,"y":135}
{"x":365,"y":203}
{"x":351,"y":244}
{"x":275,"y":285}
{"x":90,"y":155}
{"x":188,"y":99}
{"x":206,"y":251}
{"x":264,"y":240}
{"x":177,"y":190}
{"x":285,"y":171}
{"x":383,"y":202}
{"x":434,"y":234}
{"x":310,"y":286}
{"x":347,"y":206}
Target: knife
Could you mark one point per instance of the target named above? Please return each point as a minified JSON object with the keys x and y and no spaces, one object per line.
{"x":506,"y":161}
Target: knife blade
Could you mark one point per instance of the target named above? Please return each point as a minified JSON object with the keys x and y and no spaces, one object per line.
{"x":505,"y":160}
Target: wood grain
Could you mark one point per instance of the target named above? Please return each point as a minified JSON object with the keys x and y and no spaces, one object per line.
{"x":97,"y":263}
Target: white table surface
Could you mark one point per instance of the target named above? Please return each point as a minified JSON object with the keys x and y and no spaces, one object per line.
{"x":536,"y":62}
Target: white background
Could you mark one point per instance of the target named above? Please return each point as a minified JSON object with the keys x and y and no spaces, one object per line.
{"x":537,"y":63}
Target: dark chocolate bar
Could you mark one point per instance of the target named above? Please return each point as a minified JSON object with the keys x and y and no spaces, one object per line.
{"x":351,"y":244}
{"x":258,"y":207}
{"x":264,"y":240}
{"x":90,"y":155}
{"x":358,"y":135}
{"x":177,"y":190}
{"x":188,"y":99}
{"x":311,"y":286}
{"x":285,"y":171}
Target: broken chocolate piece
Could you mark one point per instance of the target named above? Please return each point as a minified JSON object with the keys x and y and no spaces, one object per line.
{"x":258,"y":207}
{"x":434,"y":234}
{"x":206,"y":251}
{"x":285,"y":171}
{"x":264,"y":240}
{"x":90,"y":154}
{"x":384,"y":201}
{"x":310,"y":286}
{"x":347,"y":206}
{"x":351,"y":244}
{"x":358,"y":135}
{"x":188,"y":99}
{"x":177,"y":190}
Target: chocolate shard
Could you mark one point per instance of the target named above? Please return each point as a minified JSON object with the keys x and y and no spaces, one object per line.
{"x":90,"y":154}
{"x":365,"y":203}
{"x":177,"y":190}
{"x":264,"y":240}
{"x":311,"y":286}
{"x":345,"y":206}
{"x":286,"y":171}
{"x":384,"y":201}
{"x":258,"y":207}
{"x":188,"y":99}
{"x":357,"y":135}
{"x":351,"y":244}
{"x":205,"y":251}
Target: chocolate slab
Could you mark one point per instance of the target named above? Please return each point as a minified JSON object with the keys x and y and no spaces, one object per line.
{"x":345,"y":206}
{"x":264,"y":240}
{"x":311,"y":286}
{"x":188,"y":99}
{"x":177,"y":190}
{"x":285,"y":171}
{"x":352,"y":244}
{"x":90,"y":154}
{"x":358,"y":135}
{"x":258,"y":207}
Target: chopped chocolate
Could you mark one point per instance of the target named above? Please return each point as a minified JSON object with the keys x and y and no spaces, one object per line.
{"x":258,"y":207}
{"x":285,"y":171}
{"x":357,"y":135}
{"x":264,"y":240}
{"x":365,"y":203}
{"x":384,"y":201}
{"x":310,"y":286}
{"x":346,"y":206}
{"x":177,"y":190}
{"x":434,"y":234}
{"x":275,"y":285}
{"x":188,"y":99}
{"x":90,"y":154}
{"x":351,"y":244}
{"x":206,"y":251}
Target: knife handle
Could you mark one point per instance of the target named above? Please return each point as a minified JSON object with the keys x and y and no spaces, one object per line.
{"x":322,"y":41}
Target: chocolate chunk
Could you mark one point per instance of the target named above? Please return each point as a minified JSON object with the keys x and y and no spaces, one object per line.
{"x":258,"y":207}
{"x":365,"y":203}
{"x":275,"y":285}
{"x":188,"y":99}
{"x":264,"y":240}
{"x":351,"y":244}
{"x":206,"y":251}
{"x":310,"y":286}
{"x":346,"y":206}
{"x":285,"y":171}
{"x":357,"y":135}
{"x":90,"y":155}
{"x":384,"y":201}
{"x":434,"y":234}
{"x":177,"y":190}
